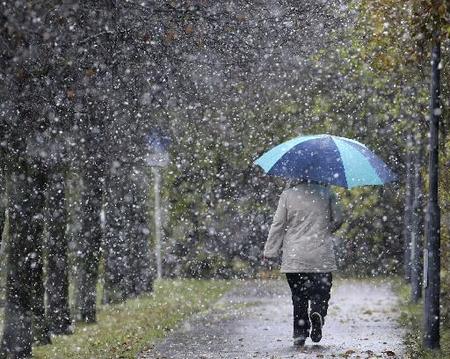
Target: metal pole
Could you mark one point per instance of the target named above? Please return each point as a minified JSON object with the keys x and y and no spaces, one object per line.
{"x":431,"y":305}
{"x":157,"y":179}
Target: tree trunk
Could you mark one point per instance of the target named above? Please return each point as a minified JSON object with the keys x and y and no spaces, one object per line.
{"x":2,"y":202}
{"x":416,"y":228}
{"x":157,"y":216}
{"x":126,"y":247}
{"x":116,"y":246}
{"x":24,"y":289}
{"x":57,"y":262}
{"x":407,"y":209}
{"x":88,"y":253}
{"x":140,"y":256}
{"x":432,"y":278}
{"x":40,"y":326}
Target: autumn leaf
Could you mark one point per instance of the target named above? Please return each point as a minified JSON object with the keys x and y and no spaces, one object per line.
{"x":348,"y":353}
{"x":70,"y":94}
{"x":189,"y":29}
{"x":146,"y":38}
{"x":390,"y":353}
{"x":170,"y":36}
{"x":90,"y":72}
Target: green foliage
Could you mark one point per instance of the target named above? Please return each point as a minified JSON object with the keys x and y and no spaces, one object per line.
{"x":221,"y":205}
{"x":404,"y":31}
{"x":124,"y":330}
{"x":411,"y":317}
{"x":371,"y":243}
{"x":370,"y":102}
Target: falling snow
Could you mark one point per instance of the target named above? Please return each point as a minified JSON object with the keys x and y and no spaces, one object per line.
{"x":133,"y":216}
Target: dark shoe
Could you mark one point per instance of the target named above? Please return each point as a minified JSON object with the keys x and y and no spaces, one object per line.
{"x":299,"y":341}
{"x":316,"y":327}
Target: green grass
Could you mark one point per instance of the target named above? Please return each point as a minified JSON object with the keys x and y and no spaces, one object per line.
{"x":411,"y":317}
{"x":123,"y":330}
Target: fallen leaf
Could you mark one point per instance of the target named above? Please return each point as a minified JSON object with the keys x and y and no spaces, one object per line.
{"x":70,"y":94}
{"x":390,"y":353}
{"x":348,"y":353}
{"x":170,"y":36}
{"x":90,"y":72}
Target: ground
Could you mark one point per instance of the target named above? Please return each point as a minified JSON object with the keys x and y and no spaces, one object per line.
{"x":254,"y":320}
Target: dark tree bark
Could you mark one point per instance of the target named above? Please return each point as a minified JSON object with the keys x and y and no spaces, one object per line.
{"x":88,"y":253}
{"x":57,"y":285}
{"x":2,"y":202}
{"x":409,"y":193}
{"x":24,"y":289}
{"x":140,"y":254}
{"x":126,"y":246}
{"x":116,"y":248}
{"x":141,"y":264}
{"x":432,"y":278}
{"x":416,"y":228}
{"x":40,"y":326}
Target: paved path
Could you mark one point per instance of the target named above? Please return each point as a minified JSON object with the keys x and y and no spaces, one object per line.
{"x":254,"y":321}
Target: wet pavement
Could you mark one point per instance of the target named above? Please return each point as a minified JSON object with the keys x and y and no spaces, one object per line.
{"x":254,"y":320}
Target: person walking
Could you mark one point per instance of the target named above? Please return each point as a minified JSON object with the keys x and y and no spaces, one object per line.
{"x":307,"y":215}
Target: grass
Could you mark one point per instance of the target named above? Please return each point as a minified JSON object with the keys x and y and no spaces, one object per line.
{"x":123,"y":330}
{"x":411,"y":317}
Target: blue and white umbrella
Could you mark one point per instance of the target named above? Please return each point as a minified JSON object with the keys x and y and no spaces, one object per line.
{"x":327,"y":159}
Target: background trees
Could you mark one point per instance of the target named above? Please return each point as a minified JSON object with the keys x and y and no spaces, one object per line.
{"x":84,"y":83}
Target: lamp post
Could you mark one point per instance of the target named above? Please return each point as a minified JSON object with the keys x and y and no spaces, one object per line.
{"x":432,"y":252}
{"x":157,"y":158}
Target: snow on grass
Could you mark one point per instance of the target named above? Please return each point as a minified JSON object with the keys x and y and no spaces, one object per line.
{"x":123,"y":330}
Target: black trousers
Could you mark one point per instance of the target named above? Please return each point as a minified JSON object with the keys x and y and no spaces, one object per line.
{"x":308,"y":289}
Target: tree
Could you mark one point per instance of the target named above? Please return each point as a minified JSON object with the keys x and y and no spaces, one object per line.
{"x":417,"y":224}
{"x":2,"y":202}
{"x":433,"y":253}
{"x":88,"y":251}
{"x":24,"y":291}
{"x":57,"y":284}
{"x":25,"y":121}
{"x":408,"y":212}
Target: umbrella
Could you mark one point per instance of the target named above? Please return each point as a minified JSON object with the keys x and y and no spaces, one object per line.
{"x":326,"y":159}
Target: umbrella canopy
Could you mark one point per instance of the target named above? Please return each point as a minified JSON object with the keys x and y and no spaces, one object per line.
{"x":327,"y":159}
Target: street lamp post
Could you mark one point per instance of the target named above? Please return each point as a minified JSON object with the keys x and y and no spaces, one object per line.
{"x":432,"y":251}
{"x":157,"y":158}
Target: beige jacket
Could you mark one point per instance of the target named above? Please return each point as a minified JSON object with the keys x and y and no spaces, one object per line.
{"x":302,"y":229}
